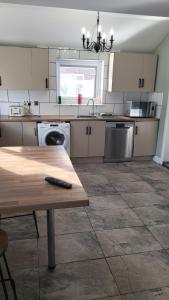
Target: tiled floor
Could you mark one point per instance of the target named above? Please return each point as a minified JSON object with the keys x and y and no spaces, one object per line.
{"x":116,"y":249}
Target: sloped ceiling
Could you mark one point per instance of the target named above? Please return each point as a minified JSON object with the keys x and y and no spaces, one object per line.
{"x":139,"y":7}
{"x":46,"y":26}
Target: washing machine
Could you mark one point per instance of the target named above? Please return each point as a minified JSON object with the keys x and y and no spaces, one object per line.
{"x":53,"y":134}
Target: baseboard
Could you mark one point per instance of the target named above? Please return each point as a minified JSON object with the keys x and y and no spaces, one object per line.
{"x":158,"y":160}
{"x":87,"y":160}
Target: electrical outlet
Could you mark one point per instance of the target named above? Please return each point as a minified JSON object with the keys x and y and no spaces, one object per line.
{"x":36,"y":103}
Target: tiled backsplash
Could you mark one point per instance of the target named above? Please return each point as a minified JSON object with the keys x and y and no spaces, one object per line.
{"x":112,"y":102}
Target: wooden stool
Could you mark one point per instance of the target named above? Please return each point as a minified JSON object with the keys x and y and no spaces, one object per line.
{"x":3,"y":248}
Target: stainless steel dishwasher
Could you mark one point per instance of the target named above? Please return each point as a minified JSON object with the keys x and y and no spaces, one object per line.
{"x":118,"y":141}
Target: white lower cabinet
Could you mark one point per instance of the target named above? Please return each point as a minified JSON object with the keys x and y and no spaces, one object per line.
{"x":87,"y":138}
{"x":145,"y":138}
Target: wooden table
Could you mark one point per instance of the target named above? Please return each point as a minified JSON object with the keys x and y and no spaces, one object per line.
{"x":23,"y":188}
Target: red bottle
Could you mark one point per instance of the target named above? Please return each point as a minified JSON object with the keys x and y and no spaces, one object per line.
{"x":79,"y":98}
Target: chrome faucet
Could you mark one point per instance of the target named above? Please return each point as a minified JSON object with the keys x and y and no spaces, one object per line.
{"x":91,"y":99}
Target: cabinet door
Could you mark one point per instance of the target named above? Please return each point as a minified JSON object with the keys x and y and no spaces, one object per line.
{"x":126,"y":71}
{"x":40,"y":69}
{"x":97,"y":138}
{"x":145,"y":138}
{"x":11,"y":134}
{"x":79,"y":139}
{"x":149,"y":72}
{"x":29,"y":133}
{"x":15,"y":68}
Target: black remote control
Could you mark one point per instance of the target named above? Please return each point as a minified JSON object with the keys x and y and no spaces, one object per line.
{"x":59,"y":182}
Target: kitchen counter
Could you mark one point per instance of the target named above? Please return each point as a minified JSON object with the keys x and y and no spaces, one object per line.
{"x":50,"y":118}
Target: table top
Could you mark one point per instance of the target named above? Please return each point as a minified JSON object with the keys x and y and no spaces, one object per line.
{"x":22,"y":184}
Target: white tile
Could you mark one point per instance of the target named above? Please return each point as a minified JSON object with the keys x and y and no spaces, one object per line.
{"x":41,"y":96}
{"x":114,"y":97}
{"x":105,"y":108}
{"x":4,"y":108}
{"x":132,"y":96}
{"x":35,"y":109}
{"x":49,"y":109}
{"x":104,"y":56}
{"x":144,"y":96}
{"x":52,"y":83}
{"x":104,"y":97}
{"x":54,"y":54}
{"x":3,"y":96}
{"x":84,"y":110}
{"x":119,"y":109}
{"x":159,"y":99}
{"x":156,"y":97}
{"x":158,"y":111}
{"x":52,"y":69}
{"x":88,"y":55}
{"x":66,"y":53}
{"x":151,"y":96}
{"x":18,"y":96}
{"x":68,"y":110}
{"x":52,"y":96}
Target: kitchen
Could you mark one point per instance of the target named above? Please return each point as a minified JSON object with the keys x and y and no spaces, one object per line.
{"x":109,"y":231}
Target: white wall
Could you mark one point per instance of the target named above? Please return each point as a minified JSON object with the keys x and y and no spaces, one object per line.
{"x":165,"y":144}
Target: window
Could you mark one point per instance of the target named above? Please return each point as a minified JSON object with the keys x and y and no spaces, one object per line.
{"x":79,"y":77}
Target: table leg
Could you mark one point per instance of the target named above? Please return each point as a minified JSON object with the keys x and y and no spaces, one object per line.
{"x":51,"y":238}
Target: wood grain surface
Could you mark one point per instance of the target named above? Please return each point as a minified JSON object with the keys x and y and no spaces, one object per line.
{"x":22,"y":184}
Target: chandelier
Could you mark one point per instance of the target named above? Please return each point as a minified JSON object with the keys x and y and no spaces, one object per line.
{"x":101,"y":44}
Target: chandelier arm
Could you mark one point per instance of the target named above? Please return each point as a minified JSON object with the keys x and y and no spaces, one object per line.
{"x":99,"y":44}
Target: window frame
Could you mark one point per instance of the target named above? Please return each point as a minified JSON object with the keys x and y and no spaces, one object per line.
{"x":98,"y":64}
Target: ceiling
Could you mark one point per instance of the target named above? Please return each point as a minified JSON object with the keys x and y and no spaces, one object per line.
{"x":46,"y":26}
{"x":140,"y":7}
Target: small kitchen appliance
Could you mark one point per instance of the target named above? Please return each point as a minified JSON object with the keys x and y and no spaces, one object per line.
{"x":141,"y":109}
{"x":17,"y":111}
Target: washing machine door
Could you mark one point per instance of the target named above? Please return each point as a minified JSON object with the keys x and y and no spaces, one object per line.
{"x":54,"y":138}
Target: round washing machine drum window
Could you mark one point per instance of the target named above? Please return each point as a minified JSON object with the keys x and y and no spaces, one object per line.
{"x":54,"y":138}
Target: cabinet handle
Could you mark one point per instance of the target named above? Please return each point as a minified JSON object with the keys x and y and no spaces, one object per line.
{"x":35,"y":131}
{"x":0,"y":81}
{"x":87,"y":130}
{"x":47,"y":83}
{"x":139,"y":85}
{"x":136,"y":130}
{"x":142,"y":83}
{"x":90,"y":130}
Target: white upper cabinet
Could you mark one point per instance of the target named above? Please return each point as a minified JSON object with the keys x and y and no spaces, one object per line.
{"x":39,"y":69}
{"x":15,"y":68}
{"x":132,"y":72}
{"x":23,"y":68}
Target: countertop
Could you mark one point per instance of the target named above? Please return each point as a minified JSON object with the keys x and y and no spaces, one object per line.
{"x":55,"y":118}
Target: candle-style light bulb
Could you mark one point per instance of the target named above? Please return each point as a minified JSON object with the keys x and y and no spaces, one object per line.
{"x":111,"y":33}
{"x":88,"y":35}
{"x":83,"y":31}
{"x":99,"y":29}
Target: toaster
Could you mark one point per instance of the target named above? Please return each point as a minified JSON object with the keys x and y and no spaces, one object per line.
{"x":17,"y":111}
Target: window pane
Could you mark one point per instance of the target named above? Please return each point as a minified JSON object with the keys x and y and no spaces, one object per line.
{"x":76,"y":80}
